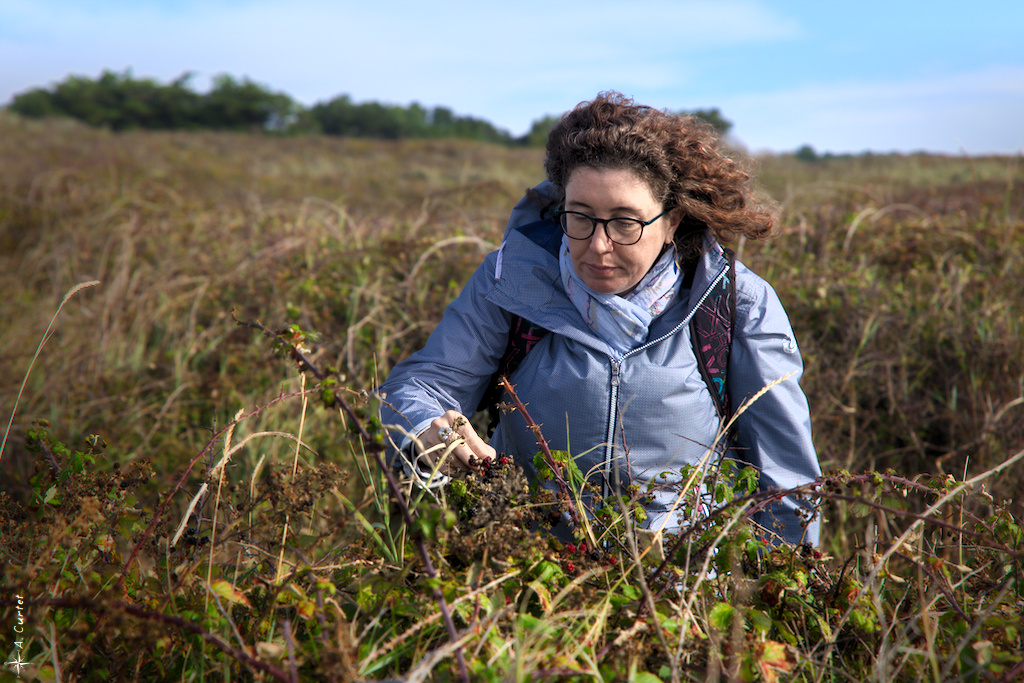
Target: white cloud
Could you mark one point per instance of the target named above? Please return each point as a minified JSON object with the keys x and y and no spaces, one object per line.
{"x":396,"y":42}
{"x":512,"y":62}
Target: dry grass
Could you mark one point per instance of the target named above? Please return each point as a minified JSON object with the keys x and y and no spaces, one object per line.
{"x":901,"y":275}
{"x":183,"y":228}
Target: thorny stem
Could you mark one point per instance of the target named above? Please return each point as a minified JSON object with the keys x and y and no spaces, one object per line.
{"x":163,"y":506}
{"x":556,"y":470}
{"x":371,"y":445}
{"x":297,"y":355}
{"x":1012,"y":674}
{"x":292,"y":670}
{"x":181,"y":480}
{"x":818,"y":489}
{"x":421,"y":544}
{"x":903,"y":481}
{"x":54,"y":465}
{"x":940,"y":583}
{"x":933,"y":521}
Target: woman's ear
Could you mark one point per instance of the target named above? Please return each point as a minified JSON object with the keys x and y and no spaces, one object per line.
{"x":675,"y":217}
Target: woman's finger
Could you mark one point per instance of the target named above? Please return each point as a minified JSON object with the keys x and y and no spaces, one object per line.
{"x":440,"y":435}
{"x":450,"y":428}
{"x":477,"y":446}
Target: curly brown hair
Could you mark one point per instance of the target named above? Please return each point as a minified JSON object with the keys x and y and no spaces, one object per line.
{"x":679,"y":157}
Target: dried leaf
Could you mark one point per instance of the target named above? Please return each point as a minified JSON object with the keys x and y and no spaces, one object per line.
{"x":226,"y":590}
{"x":774,"y":658}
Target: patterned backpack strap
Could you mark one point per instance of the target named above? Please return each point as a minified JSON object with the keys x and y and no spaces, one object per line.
{"x":523,"y":336}
{"x":711,"y":332}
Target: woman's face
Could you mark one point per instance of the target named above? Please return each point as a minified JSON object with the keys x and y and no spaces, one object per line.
{"x":603,"y":265}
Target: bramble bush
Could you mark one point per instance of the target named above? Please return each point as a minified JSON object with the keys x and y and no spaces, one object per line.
{"x":187,"y":497}
{"x":274,"y":572}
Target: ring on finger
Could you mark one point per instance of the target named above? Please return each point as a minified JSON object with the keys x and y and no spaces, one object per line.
{"x":445,"y":434}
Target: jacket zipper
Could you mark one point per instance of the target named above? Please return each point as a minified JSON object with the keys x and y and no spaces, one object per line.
{"x":613,"y":407}
{"x":609,"y":439}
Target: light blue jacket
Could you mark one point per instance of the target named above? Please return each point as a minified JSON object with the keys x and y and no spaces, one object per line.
{"x":643,"y":414}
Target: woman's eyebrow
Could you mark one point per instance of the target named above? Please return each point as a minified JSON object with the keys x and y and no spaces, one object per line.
{"x":615,"y":210}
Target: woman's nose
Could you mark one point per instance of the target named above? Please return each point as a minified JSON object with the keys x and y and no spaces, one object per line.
{"x":599,"y":241}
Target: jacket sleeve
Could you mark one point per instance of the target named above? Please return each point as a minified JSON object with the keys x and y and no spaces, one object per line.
{"x":453,"y":369}
{"x":773,"y":434}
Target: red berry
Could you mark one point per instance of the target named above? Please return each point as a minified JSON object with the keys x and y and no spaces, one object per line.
{"x":583,"y":547}
{"x":571,"y":568}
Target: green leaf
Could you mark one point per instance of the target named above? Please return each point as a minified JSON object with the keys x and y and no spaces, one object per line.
{"x":51,"y":497}
{"x":721,"y":616}
{"x":747,"y":480}
{"x":530,"y":622}
{"x":823,"y":626}
{"x":546,"y":570}
{"x":723,"y":492}
{"x":760,"y":620}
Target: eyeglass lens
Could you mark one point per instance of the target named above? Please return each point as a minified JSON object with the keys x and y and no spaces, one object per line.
{"x":580,"y":226}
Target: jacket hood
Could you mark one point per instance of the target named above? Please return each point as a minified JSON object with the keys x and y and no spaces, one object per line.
{"x":528,"y":282}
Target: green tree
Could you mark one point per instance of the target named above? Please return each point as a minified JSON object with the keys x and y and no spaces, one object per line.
{"x":176,"y":105}
{"x":340,"y":116}
{"x":240,"y":105}
{"x":93,"y":102}
{"x":447,"y":124}
{"x":35,"y":104}
{"x":806,"y":153}
{"x":334,"y":117}
{"x":538,"y":135}
{"x":713,"y":117}
{"x":119,"y":102}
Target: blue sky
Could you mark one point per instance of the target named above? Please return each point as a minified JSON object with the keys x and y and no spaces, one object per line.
{"x":842,"y":76}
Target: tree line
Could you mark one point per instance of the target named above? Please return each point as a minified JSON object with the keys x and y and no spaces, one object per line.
{"x":119,"y":101}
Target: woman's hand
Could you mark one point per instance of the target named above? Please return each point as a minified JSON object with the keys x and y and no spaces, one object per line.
{"x":453,"y":427}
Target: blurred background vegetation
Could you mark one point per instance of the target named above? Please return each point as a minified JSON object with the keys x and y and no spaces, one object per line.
{"x":901,"y":275}
{"x":119,"y":101}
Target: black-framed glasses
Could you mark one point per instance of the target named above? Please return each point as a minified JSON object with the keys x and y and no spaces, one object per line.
{"x":621,"y":230}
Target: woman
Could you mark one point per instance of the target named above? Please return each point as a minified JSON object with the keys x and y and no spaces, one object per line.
{"x":614,"y":274}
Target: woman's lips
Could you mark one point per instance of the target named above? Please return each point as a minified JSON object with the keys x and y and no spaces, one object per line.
{"x":600,"y":270}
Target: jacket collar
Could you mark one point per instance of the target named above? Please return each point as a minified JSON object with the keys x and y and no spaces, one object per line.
{"x":529,"y":284}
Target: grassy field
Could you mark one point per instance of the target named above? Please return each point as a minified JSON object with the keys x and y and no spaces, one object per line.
{"x":902,"y":275}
